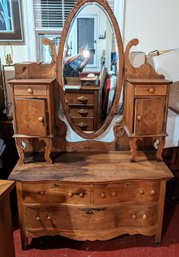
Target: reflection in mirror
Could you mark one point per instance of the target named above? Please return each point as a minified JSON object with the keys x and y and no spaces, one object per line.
{"x":90,"y":67}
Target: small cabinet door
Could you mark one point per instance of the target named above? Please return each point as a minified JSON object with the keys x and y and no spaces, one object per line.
{"x":30,"y":117}
{"x":149,"y":116}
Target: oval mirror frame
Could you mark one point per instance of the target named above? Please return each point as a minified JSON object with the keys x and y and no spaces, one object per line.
{"x":104,"y":4}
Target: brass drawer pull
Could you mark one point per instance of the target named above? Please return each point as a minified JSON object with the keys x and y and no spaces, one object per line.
{"x":93,"y":210}
{"x":151,"y":90}
{"x":82,"y":125}
{"x":139,"y":117}
{"x":29,"y":90}
{"x":56,"y":185}
{"x":40,"y":119}
{"x":83,"y":112}
{"x":37,"y":218}
{"x":82,"y":99}
{"x":49,"y":218}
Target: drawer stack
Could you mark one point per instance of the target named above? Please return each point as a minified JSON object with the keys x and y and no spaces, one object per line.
{"x":64,"y":208}
{"x":85,"y":107}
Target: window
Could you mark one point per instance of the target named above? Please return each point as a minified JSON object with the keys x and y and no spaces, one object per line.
{"x":49,"y":17}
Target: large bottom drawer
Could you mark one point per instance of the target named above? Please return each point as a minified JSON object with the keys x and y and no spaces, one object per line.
{"x":71,"y":217}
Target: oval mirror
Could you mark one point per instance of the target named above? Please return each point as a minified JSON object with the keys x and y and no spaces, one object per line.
{"x":90,"y":67}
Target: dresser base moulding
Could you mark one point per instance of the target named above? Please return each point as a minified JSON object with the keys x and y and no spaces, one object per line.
{"x":70,"y":198}
{"x":26,"y":140}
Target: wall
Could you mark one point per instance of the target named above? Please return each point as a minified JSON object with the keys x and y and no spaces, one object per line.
{"x":154,"y":23}
{"x":20,"y":51}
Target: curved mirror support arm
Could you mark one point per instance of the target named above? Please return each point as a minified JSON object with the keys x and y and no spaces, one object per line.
{"x":77,"y":93}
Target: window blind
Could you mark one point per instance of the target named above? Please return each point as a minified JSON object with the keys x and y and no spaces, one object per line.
{"x":52,"y":14}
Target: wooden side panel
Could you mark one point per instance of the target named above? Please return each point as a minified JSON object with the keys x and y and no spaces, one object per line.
{"x":129,"y":106}
{"x":31,"y":117}
{"x":149,"y":116}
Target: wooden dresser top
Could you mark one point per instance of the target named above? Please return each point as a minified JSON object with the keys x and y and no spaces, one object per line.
{"x":93,"y":167}
{"x":5,"y":187}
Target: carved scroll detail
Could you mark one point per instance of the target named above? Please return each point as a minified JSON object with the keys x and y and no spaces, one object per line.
{"x":145,"y":71}
{"x":47,"y":41}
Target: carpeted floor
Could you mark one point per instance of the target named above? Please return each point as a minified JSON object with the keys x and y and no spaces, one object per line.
{"x":123,"y":246}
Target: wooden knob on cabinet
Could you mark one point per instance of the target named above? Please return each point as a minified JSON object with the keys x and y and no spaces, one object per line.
{"x":49,"y":218}
{"x":42,"y":192}
{"x":103,"y":195}
{"x":139,"y":117}
{"x":70,"y":194}
{"x":37,"y":218}
{"x":152,"y":192}
{"x":151,"y":90}
{"x":114,"y":194}
{"x":29,"y":90}
{"x":81,"y":195}
{"x":134,"y":217}
{"x":40,"y":119}
{"x":141,"y":192}
{"x":144,"y":217}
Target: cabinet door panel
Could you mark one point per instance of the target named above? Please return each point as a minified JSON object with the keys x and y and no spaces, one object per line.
{"x":149,"y":116}
{"x":30,"y":117}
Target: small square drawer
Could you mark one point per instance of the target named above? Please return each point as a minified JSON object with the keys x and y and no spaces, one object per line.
{"x":55,"y":193}
{"x":127,"y":191}
{"x":79,"y":98}
{"x":30,"y":90}
{"x":150,"y":90}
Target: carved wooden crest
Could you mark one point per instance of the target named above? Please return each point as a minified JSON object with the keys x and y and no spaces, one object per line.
{"x":145,"y":71}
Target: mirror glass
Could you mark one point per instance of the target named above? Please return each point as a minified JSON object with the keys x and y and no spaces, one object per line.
{"x":90,"y":67}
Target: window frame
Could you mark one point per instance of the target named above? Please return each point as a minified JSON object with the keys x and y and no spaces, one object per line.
{"x":32,"y":33}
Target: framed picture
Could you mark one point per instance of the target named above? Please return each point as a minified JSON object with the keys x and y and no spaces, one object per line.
{"x":11,"y":29}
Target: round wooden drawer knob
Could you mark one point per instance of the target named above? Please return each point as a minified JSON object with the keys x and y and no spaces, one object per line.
{"x":151,"y":90}
{"x":144,"y":217}
{"x":42,"y":192}
{"x":70,"y":194}
{"x":141,"y":192}
{"x":103,"y":195}
{"x":134,"y":217}
{"x":40,"y":119}
{"x":29,"y":90}
{"x":49,"y":218}
{"x":114,"y":194}
{"x":81,"y":195}
{"x":139,"y":117}
{"x":37,"y":218}
{"x":152,"y":192}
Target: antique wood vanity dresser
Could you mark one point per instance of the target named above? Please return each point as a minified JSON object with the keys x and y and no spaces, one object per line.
{"x":91,"y":191}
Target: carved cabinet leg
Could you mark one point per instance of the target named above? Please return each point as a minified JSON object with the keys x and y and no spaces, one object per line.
{"x":160,"y":148}
{"x":20,"y":150}
{"x":48,"y":149}
{"x":133,"y":147}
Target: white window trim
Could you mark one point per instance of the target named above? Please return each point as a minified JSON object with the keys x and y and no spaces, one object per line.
{"x":29,"y":26}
